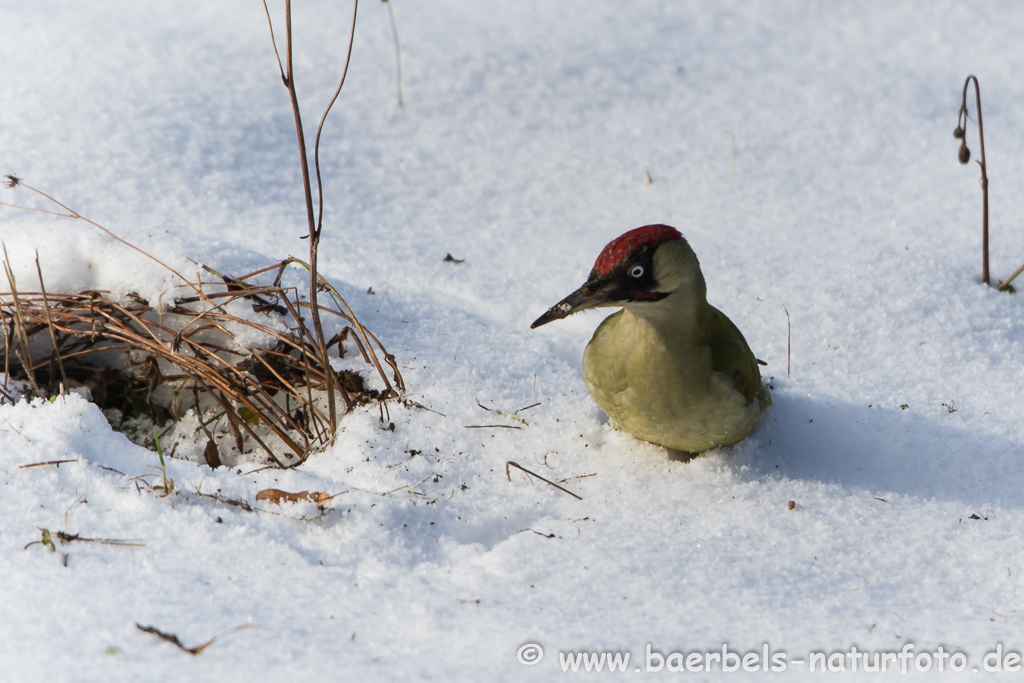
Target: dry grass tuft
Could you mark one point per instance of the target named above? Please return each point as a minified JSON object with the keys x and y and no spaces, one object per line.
{"x":232,"y":351}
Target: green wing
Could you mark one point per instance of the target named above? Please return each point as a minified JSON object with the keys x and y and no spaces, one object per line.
{"x":731,"y":356}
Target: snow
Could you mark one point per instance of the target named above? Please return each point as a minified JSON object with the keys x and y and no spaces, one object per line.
{"x":522,"y":149}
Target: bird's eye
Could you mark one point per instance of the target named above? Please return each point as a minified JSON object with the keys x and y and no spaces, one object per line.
{"x":637,"y":271}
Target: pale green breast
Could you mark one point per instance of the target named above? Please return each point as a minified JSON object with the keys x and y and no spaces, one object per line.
{"x":664,"y":387}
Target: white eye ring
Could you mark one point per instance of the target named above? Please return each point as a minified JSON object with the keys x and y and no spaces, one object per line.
{"x":636,"y":271}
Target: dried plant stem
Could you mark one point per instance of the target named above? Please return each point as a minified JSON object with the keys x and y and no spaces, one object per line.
{"x":323,"y":118}
{"x":789,"y":341}
{"x":24,"y":352}
{"x":71,"y":213}
{"x":314,"y":232}
{"x":510,"y":463}
{"x":198,"y":649}
{"x":314,"y":221}
{"x":49,"y":324}
{"x":316,"y":281}
{"x":359,"y":328}
{"x":1005,"y":284}
{"x":965,"y":156}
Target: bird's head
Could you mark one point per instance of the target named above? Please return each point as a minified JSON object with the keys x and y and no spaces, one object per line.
{"x":642,"y":270}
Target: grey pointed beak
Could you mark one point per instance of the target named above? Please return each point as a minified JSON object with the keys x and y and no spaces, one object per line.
{"x":595,"y":293}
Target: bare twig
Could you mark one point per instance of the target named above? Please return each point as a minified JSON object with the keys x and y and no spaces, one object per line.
{"x":363,"y":332}
{"x":320,"y":128}
{"x":965,"y":156}
{"x":24,"y":353}
{"x":198,"y":649}
{"x":789,"y":340}
{"x":314,"y":232}
{"x":315,"y":223}
{"x":65,"y":538}
{"x":49,"y":324}
{"x":1005,"y":284}
{"x":71,"y":213}
{"x":492,"y":427}
{"x":510,"y":463}
{"x":42,"y":464}
{"x":273,"y":41}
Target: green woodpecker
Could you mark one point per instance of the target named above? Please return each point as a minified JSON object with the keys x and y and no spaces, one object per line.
{"x":668,"y":368}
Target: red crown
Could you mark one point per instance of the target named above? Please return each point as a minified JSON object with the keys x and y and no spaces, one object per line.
{"x":620,"y":248}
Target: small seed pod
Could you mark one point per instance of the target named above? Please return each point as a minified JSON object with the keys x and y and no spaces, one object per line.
{"x":965,"y":154}
{"x":958,"y":133}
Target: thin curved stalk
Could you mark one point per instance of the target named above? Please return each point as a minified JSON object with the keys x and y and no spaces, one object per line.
{"x":71,"y":213}
{"x":965,"y":156}
{"x":323,"y":118}
{"x":311,"y":220}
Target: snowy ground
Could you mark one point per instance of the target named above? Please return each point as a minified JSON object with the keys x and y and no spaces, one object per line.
{"x":522,"y":149}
